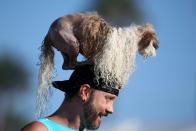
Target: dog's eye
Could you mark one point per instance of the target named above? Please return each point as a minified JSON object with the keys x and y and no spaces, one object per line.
{"x":155,"y":45}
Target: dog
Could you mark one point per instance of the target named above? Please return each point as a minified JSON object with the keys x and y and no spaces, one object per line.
{"x":85,"y":33}
{"x":90,"y":35}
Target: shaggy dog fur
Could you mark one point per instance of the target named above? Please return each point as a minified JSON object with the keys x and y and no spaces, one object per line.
{"x":111,"y":49}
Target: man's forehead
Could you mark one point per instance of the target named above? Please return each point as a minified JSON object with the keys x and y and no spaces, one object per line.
{"x":107,"y":94}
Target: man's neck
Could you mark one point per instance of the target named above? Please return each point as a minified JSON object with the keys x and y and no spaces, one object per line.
{"x":68,"y":114}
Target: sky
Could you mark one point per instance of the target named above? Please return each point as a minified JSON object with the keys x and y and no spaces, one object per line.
{"x":160,"y":95}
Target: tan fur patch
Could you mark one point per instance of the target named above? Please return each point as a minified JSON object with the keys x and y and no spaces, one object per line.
{"x":91,"y":34}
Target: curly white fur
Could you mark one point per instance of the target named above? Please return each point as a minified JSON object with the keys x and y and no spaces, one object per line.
{"x":117,"y":60}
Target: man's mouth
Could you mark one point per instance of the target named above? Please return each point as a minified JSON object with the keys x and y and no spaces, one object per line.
{"x":100,"y":115}
{"x":105,"y":115}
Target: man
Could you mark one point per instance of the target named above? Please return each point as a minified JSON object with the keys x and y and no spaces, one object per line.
{"x":86,"y":101}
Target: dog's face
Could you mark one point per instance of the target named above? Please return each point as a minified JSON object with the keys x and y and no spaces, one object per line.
{"x":148,"y":40}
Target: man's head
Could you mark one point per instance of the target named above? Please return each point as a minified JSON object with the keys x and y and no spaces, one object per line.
{"x":96,"y":103}
{"x":96,"y":98}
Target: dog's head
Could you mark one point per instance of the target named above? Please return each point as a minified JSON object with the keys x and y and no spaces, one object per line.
{"x":148,"y":43}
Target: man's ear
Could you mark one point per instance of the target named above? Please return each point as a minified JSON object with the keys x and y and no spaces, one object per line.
{"x":84,"y":92}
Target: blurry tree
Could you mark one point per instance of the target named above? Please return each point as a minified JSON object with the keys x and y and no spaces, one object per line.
{"x":14,"y":121}
{"x":13,"y":74}
{"x":120,"y":12}
{"x":13,"y":79}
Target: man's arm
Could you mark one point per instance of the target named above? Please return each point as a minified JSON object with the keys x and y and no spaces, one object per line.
{"x":34,"y":126}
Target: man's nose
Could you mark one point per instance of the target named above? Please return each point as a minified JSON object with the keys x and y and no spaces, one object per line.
{"x":110,"y":109}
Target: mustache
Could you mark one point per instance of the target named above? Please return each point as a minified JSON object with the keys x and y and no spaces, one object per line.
{"x":106,"y":114}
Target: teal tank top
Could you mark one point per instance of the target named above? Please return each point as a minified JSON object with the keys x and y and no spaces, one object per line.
{"x":53,"y":126}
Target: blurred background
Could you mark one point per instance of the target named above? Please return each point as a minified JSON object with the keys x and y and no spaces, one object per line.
{"x":159,"y":96}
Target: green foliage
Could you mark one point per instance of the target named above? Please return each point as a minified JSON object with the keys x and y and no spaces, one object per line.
{"x":13,"y":74}
{"x":13,"y":122}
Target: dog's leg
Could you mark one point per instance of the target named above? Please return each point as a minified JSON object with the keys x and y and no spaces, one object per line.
{"x":68,"y":45}
{"x":65,"y":65}
{"x":71,"y":46}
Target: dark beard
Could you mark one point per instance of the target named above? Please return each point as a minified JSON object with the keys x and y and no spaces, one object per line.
{"x":90,"y":115}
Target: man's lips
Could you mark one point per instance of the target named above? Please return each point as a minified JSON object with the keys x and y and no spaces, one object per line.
{"x":100,"y":115}
{"x":105,"y":114}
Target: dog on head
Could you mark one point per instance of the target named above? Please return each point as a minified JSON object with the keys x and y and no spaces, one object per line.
{"x":109,"y":48}
{"x":86,"y":33}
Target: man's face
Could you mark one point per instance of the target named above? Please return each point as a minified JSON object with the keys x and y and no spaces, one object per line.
{"x":99,"y":104}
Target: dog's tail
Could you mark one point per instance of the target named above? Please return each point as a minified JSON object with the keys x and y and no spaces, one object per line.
{"x":45,"y":75}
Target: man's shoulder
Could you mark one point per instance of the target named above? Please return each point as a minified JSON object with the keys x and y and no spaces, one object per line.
{"x":34,"y":126}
